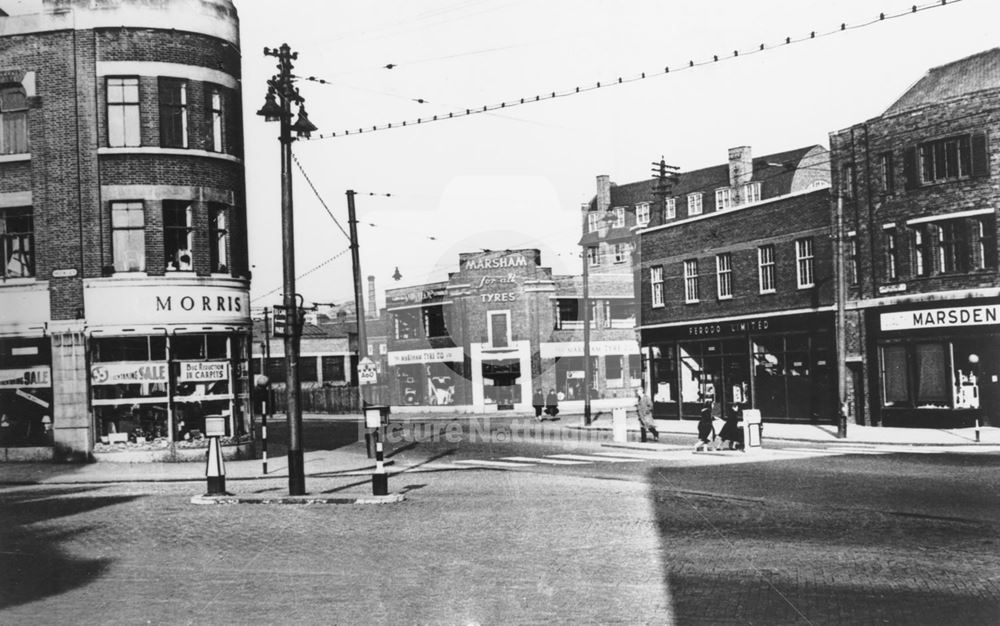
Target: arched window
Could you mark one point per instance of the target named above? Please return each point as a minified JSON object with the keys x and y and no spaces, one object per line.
{"x":13,"y":120}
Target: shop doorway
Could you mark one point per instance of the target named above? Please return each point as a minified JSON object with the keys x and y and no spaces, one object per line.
{"x":501,"y":383}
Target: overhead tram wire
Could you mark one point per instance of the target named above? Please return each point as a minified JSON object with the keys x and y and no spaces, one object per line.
{"x":319,"y":197}
{"x":691,"y":64}
{"x":305,"y":273}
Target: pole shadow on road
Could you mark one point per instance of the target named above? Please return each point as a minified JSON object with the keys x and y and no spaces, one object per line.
{"x":34,"y":565}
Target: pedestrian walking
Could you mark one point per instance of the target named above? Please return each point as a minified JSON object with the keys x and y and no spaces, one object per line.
{"x":731,"y":433}
{"x":552,"y":404}
{"x":537,"y":401}
{"x":706,"y":426}
{"x":644,"y":408}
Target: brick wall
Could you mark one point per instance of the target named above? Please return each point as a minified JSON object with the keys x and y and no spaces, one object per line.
{"x":739,"y":233}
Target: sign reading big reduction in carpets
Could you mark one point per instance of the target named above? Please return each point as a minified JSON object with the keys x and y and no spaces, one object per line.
{"x":203,"y":371}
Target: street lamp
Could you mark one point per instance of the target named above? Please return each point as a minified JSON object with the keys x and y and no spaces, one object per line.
{"x":281,"y":93}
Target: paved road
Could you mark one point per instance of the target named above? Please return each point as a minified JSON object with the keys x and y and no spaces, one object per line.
{"x":798,"y":536}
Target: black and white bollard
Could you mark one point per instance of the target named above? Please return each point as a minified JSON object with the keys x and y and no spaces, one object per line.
{"x":977,"y":430}
{"x":380,"y":480}
{"x":215,"y":468}
{"x":376,"y":416}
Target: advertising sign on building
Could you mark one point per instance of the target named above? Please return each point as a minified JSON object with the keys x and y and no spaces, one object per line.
{"x":126,"y":373}
{"x":367,"y":372}
{"x":430,"y":355}
{"x":979,"y":315}
{"x":203,"y":371}
{"x":127,"y":302}
{"x":37,"y":376}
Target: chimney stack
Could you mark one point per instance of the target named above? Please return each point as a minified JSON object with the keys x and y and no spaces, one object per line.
{"x":372,"y":306}
{"x":740,"y":166}
{"x":603,"y":193}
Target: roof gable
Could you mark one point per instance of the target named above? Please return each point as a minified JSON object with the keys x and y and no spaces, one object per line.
{"x":973,"y":73}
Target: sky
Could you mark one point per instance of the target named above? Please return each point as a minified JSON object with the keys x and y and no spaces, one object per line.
{"x":517,"y":178}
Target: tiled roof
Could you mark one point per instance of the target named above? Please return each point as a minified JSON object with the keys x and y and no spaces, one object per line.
{"x":971,"y":74}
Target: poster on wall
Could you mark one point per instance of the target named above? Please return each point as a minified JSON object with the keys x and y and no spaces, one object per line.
{"x":203,"y":371}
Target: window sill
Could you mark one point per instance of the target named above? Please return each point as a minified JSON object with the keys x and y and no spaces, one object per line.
{"x":692,"y":302}
{"x":169,"y":151}
{"x":14,"y":158}
{"x":723,"y":298}
{"x":801,"y":287}
{"x":768,"y":292}
{"x":26,"y":280}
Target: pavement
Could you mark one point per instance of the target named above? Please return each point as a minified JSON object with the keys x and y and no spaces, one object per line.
{"x":351,"y":461}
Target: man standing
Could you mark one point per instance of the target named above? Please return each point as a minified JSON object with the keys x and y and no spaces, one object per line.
{"x":644,"y":408}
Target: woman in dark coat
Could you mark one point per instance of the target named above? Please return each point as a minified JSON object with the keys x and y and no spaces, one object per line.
{"x":731,"y":431}
{"x":537,"y":401}
{"x":552,"y":404}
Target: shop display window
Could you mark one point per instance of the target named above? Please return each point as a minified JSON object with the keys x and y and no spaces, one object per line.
{"x":140,"y":396}
{"x":441,"y":383}
{"x":916,"y":375}
{"x":25,"y":392}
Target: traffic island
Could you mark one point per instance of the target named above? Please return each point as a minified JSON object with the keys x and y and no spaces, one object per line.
{"x":307,"y":499}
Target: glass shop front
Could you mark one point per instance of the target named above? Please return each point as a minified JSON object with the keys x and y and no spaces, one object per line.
{"x":785,"y":366}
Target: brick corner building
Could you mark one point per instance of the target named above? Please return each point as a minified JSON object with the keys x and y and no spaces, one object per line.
{"x":919,"y":201}
{"x":124,"y":279}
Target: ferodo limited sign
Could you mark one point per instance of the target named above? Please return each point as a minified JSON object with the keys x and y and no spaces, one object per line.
{"x":122,"y":302}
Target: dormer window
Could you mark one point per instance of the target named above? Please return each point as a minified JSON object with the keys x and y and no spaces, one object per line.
{"x":723,"y":198}
{"x":750,"y":193}
{"x":619,"y":217}
{"x":642,"y":214}
{"x":694,"y":204}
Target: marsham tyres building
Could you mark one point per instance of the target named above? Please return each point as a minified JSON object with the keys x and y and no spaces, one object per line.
{"x":124,"y":312}
{"x":501,"y":328}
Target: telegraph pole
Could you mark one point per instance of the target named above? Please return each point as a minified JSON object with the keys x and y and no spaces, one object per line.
{"x":359,"y":303}
{"x":281,"y":86}
{"x":587,"y":374}
{"x":841,"y":324}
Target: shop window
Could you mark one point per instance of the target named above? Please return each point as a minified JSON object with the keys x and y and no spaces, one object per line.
{"x":656,"y":285}
{"x":123,"y":112}
{"x":407,"y":323}
{"x":216,"y":121}
{"x":173,"y":113}
{"x":635,"y":370}
{"x":570,"y":376}
{"x":128,"y":236}
{"x":804,"y":263}
{"x":916,"y":375}
{"x":765,"y":268}
{"x":26,"y":410}
{"x":724,"y":275}
{"x":178,"y":235}
{"x":434,"y":322}
{"x":441,"y":379}
{"x":614,"y":370}
{"x":691,"y":281}
{"x":410,"y":384}
{"x":17,"y":242}
{"x":333,"y":368}
{"x":13,"y":120}
{"x":218,"y":238}
{"x":149,"y":348}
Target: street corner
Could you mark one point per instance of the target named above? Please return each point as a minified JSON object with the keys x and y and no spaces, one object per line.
{"x":230,"y":499}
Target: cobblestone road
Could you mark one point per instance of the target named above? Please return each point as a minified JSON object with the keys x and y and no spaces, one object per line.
{"x":494,"y":546}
